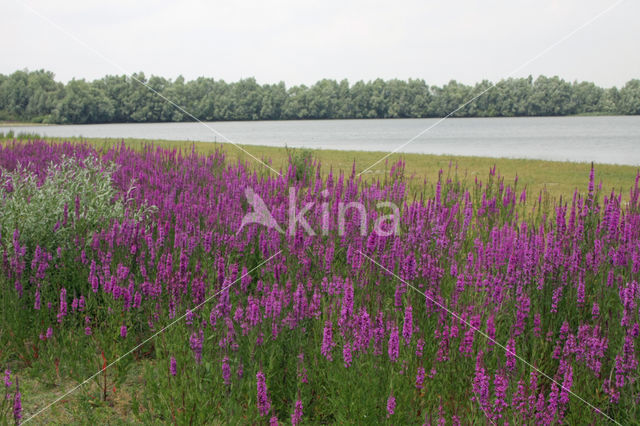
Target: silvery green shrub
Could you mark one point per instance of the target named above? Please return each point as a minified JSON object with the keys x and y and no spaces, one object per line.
{"x":76,"y":198}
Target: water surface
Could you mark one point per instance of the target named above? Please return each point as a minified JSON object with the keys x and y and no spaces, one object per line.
{"x":614,"y":140}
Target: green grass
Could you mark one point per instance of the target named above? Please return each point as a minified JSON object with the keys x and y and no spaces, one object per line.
{"x":552,"y":177}
{"x":81,"y":404}
{"x":555,"y":178}
{"x":21,"y":123}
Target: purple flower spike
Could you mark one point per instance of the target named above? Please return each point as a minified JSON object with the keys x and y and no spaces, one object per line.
{"x":7,"y":378}
{"x":297,"y":413}
{"x":173,"y":367}
{"x":391,"y":405}
{"x":264,"y":405}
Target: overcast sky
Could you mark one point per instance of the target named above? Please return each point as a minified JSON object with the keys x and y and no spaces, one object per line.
{"x":304,"y":41}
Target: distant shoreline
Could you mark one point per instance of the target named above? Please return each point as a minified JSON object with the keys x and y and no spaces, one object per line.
{"x":37,"y":124}
{"x":122,"y":98}
{"x":23,"y":124}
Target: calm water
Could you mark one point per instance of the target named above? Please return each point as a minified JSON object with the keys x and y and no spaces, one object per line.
{"x":601,"y":139}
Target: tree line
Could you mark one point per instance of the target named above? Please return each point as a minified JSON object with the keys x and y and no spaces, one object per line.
{"x":35,"y":96}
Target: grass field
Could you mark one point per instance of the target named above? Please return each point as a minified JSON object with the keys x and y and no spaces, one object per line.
{"x":552,"y":177}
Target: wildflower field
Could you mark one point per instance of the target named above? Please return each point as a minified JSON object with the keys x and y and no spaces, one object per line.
{"x":486,"y":305}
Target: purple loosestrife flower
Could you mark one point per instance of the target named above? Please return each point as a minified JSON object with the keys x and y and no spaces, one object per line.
{"x":400,"y":290}
{"x":264,"y":405}
{"x":49,"y":334}
{"x":273,"y":421}
{"x":195,"y":343}
{"x":327,"y":341}
{"x":362,"y":331}
{"x":591,"y":184}
{"x":537,"y":330}
{"x":347,"y":303}
{"x":346,"y":353}
{"x":510,"y":354}
{"x":619,"y":372}
{"x":393,"y":349}
{"x":443,"y":344}
{"x":491,"y":331}
{"x":63,"y":304}
{"x":442,"y":421}
{"x":595,"y":311}
{"x":524,"y":304}
{"x":519,"y":401}
{"x":420,"y":378}
{"x":540,"y":409}
{"x":123,"y":331}
{"x":466,"y":346}
{"x":378,"y":334}
{"x":564,"y":392}
{"x":93,"y":278}
{"x":226,"y":371}
{"x":481,"y":383}
{"x":420,"y":347}
{"x":253,"y":315}
{"x":555,"y":299}
{"x":391,"y":405}
{"x":173,"y":367}
{"x":580,"y":291}
{"x":302,"y":371}
{"x":297,"y":413}
{"x":7,"y":378}
{"x":552,"y":404}
{"x":533,"y":389}
{"x":407,"y":326}
{"x":137,"y":300}
{"x":500,"y":385}
{"x":17,"y":405}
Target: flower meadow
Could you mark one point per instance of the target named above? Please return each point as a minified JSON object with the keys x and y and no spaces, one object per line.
{"x":490,"y":306}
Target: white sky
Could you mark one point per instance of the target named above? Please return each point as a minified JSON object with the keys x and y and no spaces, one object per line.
{"x":301,"y":41}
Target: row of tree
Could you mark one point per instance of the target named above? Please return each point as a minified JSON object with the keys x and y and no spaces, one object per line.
{"x":35,"y":96}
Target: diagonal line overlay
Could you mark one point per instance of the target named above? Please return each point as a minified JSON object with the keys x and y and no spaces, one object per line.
{"x":519,"y":68}
{"x":153,"y":336}
{"x":114,"y":64}
{"x":494,"y":341}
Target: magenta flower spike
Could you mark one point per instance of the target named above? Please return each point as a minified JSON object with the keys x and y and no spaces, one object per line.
{"x":173,"y":367}
{"x":264,"y":405}
{"x":391,"y":405}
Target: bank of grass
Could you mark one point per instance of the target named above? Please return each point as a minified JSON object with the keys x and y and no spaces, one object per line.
{"x":552,"y":178}
{"x":8,"y":123}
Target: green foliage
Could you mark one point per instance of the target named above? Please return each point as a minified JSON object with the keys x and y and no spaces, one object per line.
{"x":44,"y":213}
{"x":303,"y":162}
{"x":35,"y":96}
{"x":28,"y":136}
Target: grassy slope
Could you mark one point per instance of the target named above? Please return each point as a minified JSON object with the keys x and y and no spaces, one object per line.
{"x":556,"y":178}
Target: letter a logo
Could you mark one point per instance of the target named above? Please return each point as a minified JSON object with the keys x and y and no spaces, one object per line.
{"x":260,"y":214}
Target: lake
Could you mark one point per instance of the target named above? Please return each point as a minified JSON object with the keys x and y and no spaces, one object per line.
{"x":611,"y":139}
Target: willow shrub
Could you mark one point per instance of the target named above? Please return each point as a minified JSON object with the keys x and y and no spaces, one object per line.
{"x":74,"y":199}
